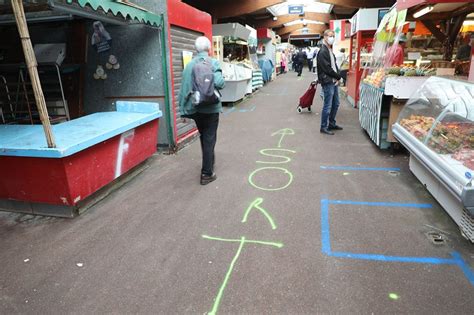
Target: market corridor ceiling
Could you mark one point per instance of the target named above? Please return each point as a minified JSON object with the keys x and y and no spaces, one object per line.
{"x":275,"y":13}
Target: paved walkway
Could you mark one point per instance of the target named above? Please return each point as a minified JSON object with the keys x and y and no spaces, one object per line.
{"x":302,"y":236}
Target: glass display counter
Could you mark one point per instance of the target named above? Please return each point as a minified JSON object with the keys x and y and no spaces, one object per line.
{"x":437,"y":127}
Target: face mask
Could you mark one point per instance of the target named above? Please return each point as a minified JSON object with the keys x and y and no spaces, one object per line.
{"x":331,"y":40}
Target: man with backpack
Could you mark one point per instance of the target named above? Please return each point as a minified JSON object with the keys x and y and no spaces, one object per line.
{"x":199,"y":100}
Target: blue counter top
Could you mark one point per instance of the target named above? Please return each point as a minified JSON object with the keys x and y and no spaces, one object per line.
{"x":75,"y":135}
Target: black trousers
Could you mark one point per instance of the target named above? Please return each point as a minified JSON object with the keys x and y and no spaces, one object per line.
{"x":207,"y":125}
{"x":310,"y":64}
{"x":299,"y":68}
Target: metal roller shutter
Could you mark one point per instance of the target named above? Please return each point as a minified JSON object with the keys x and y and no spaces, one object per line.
{"x":181,"y":39}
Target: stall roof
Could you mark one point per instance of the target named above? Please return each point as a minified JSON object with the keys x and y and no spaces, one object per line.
{"x":441,"y":9}
{"x":439,"y":5}
{"x":126,"y":9}
{"x":94,"y":9}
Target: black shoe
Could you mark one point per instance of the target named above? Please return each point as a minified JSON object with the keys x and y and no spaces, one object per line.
{"x":336,"y":127}
{"x":327,"y":132}
{"x":206,"y":179}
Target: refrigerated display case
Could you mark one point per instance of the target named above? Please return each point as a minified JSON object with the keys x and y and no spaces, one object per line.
{"x":437,"y":127}
{"x":237,"y":77}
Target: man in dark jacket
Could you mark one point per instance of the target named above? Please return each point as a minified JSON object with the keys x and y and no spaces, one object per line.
{"x":300,"y":58}
{"x":329,"y":77}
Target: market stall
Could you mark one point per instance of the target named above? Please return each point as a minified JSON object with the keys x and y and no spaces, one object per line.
{"x":437,"y":127}
{"x":404,"y":57}
{"x":184,"y":24}
{"x":230,"y":44}
{"x":363,"y":26}
{"x":59,"y":173}
{"x":257,"y":76}
{"x":266,"y":52}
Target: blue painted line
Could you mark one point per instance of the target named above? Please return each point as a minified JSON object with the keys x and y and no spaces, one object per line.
{"x":380,"y":204}
{"x":468,"y":272}
{"x":353,"y":168}
{"x":385,"y":258}
{"x":233,"y":109}
{"x":325,"y":234}
{"x":246,"y":110}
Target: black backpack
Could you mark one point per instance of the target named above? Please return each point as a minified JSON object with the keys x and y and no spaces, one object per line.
{"x":203,"y":90}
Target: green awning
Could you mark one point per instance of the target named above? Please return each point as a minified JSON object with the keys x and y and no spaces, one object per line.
{"x":114,"y":11}
{"x":118,"y":8}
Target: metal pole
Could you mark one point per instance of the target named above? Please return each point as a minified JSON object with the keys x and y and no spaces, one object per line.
{"x":32,"y":65}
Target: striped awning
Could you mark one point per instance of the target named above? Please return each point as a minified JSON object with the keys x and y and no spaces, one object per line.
{"x":124,"y":9}
{"x":115,"y":11}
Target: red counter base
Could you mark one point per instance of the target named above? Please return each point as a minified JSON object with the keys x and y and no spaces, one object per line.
{"x":353,"y":83}
{"x":60,"y":186}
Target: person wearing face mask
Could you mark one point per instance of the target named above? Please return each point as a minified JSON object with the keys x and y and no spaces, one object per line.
{"x":329,"y":78}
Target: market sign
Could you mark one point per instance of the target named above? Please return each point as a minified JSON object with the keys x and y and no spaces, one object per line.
{"x":295,"y":9}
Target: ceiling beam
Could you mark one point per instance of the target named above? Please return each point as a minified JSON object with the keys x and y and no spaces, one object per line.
{"x":269,"y":23}
{"x":236,"y":8}
{"x":312,"y":28}
{"x":360,"y":3}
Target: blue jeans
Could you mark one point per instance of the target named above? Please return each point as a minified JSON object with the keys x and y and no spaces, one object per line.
{"x":331,"y":105}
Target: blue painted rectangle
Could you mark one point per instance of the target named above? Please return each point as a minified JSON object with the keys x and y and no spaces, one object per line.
{"x":456,"y":259}
{"x":75,"y":135}
{"x":355,"y":168}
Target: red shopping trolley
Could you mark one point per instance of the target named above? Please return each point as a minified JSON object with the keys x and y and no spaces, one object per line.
{"x":307,"y":99}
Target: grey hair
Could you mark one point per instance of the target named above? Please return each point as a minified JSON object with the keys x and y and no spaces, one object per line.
{"x":327,"y":32}
{"x":202,"y":43}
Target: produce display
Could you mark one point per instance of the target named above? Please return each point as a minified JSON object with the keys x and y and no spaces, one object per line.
{"x":411,"y":71}
{"x":454,"y":138}
{"x":378,"y":77}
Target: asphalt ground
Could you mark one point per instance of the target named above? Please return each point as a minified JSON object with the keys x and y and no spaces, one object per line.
{"x":316,"y":239}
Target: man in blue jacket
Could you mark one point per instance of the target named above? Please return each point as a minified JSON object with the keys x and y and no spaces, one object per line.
{"x":206,"y":116}
{"x":329,"y":77}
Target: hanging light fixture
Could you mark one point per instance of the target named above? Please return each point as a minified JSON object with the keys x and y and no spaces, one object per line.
{"x":423,"y":11}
